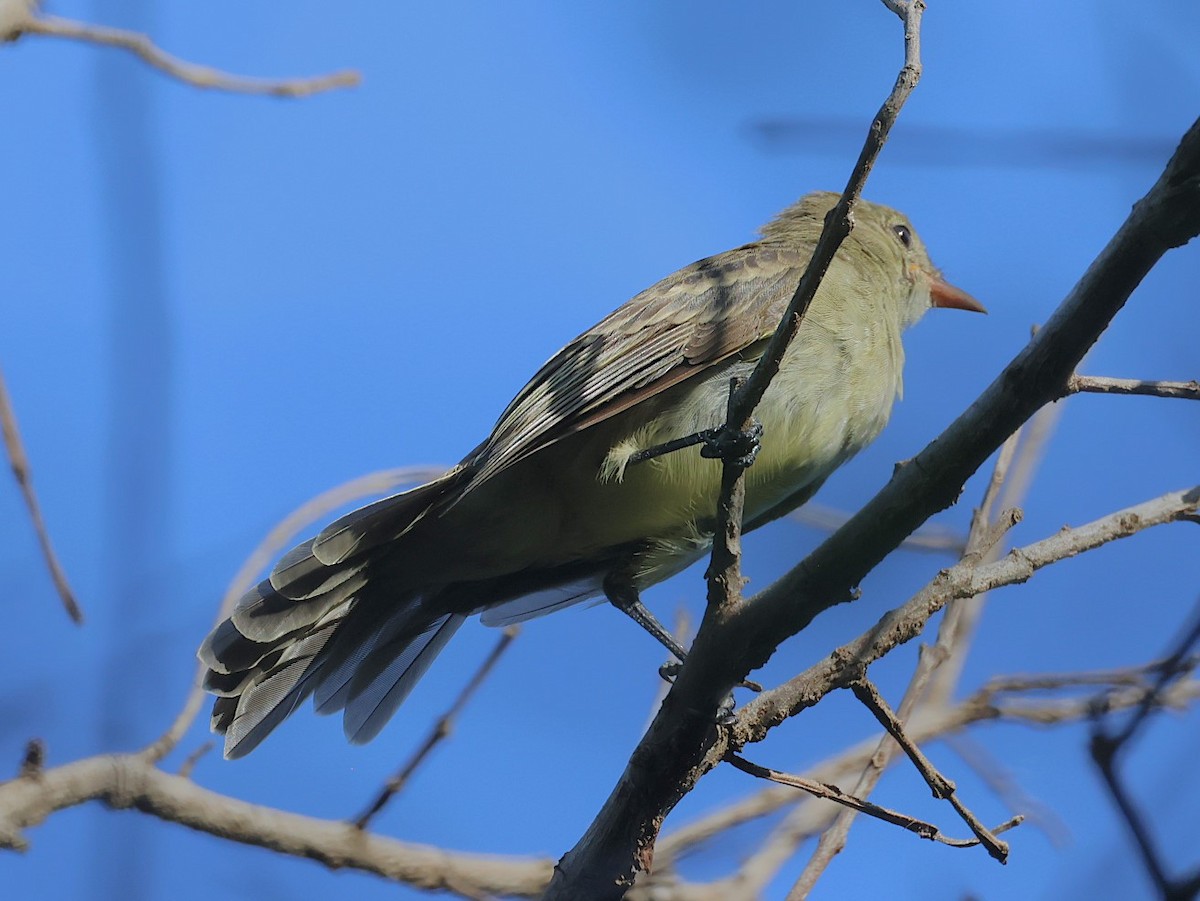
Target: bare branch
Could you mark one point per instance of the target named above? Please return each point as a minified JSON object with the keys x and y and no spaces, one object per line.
{"x":127,"y":781}
{"x":981,"y":542}
{"x":19,"y":22}
{"x":1099,"y":385}
{"x":20,"y":467}
{"x":440,"y":731}
{"x":835,"y":794}
{"x":964,"y":580}
{"x":931,"y":537}
{"x":943,"y":788}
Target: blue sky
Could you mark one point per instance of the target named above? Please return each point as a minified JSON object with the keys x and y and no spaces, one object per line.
{"x":219,"y":306}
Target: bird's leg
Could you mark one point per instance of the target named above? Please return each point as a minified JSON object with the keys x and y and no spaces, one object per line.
{"x":623,"y":594}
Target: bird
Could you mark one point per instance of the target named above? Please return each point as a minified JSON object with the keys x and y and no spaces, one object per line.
{"x":569,"y":498}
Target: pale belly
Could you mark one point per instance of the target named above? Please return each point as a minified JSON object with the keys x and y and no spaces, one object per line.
{"x":558,"y":507}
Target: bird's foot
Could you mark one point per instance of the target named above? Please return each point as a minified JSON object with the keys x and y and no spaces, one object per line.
{"x":736,"y":445}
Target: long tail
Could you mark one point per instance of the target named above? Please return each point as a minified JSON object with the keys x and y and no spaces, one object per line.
{"x":349,"y":634}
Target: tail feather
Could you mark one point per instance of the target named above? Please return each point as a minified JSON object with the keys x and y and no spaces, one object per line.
{"x":225,"y":650}
{"x":352,"y":647}
{"x":270,"y":696}
{"x":265,"y":615}
{"x":375,"y":524}
{"x":352,"y":635}
{"x":372,"y":701}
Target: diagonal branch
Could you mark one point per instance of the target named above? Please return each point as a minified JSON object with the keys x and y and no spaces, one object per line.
{"x":617,"y":845}
{"x":964,"y":580}
{"x":439,"y":733}
{"x":20,"y":467}
{"x":943,"y":789}
{"x":833,"y":793}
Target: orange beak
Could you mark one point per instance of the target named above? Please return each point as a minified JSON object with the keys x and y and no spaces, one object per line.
{"x":948,"y":297}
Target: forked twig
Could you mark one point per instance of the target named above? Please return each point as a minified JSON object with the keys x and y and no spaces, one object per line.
{"x":833,"y":793}
{"x":943,"y":788}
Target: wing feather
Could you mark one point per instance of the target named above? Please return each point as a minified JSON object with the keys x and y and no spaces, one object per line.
{"x":694,"y":319}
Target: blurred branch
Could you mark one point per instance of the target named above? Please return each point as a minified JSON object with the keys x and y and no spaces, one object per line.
{"x":942,"y":146}
{"x":1098,"y":385}
{"x":440,"y":731}
{"x":130,"y":781}
{"x":931,"y":537}
{"x":1004,"y":785}
{"x":323,"y":504}
{"x":1107,"y":746}
{"x":20,"y":17}
{"x":20,"y":467}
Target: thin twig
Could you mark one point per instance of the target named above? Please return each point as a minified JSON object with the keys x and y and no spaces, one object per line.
{"x":189,"y":762}
{"x":441,"y":730}
{"x":943,"y":788}
{"x":20,"y":467}
{"x":323,"y":504}
{"x":1095,"y":384}
{"x":197,"y":76}
{"x":833,"y":793}
{"x":927,"y":725}
{"x":624,"y":843}
{"x":724,"y":573}
{"x":982,"y":539}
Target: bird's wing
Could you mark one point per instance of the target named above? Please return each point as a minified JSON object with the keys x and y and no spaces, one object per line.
{"x":694,"y":319}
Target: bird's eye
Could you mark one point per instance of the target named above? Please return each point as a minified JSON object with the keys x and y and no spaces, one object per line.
{"x":904,"y":233}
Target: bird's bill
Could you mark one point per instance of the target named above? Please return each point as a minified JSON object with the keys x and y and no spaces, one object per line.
{"x":948,"y":297}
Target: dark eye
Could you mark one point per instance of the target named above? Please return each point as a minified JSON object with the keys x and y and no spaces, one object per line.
{"x":904,"y":233}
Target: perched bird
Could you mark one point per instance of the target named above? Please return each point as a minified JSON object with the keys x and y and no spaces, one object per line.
{"x":556,"y":506}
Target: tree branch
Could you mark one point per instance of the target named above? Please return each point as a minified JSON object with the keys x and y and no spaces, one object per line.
{"x":20,"y":467}
{"x":966,"y":579}
{"x":440,"y":732}
{"x":20,"y":18}
{"x":1099,"y":385}
{"x":132,"y":781}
